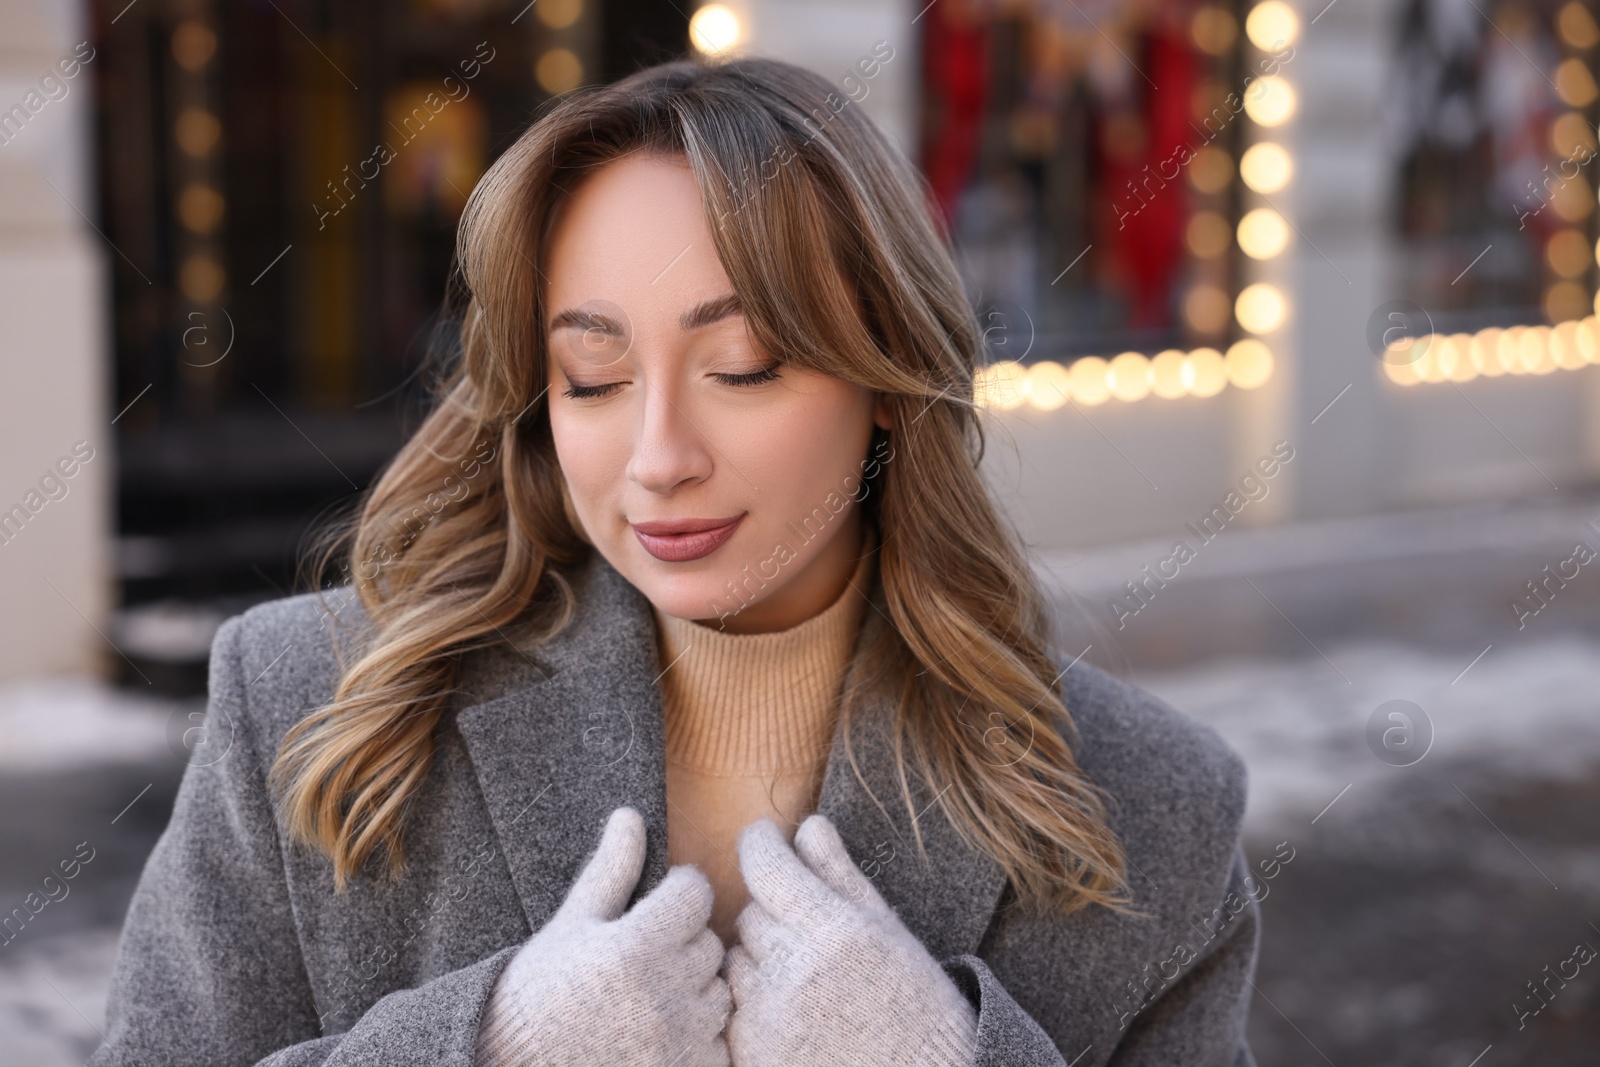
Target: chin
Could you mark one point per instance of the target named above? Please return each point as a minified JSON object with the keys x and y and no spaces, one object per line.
{"x":701,"y":598}
{"x":696,"y":589}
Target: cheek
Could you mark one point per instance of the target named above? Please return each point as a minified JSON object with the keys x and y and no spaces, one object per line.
{"x":583,"y":451}
{"x":806,"y":452}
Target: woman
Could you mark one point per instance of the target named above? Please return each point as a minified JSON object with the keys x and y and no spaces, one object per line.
{"x":693,"y":554}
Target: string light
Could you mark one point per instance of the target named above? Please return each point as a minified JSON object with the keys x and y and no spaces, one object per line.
{"x":1260,"y":308}
{"x":1271,"y":25}
{"x":197,"y":131}
{"x":1130,"y":376}
{"x":559,"y":14}
{"x":1569,"y":345}
{"x":1577,"y":26}
{"x":1263,"y":233}
{"x":1567,"y":252}
{"x":558,"y":70}
{"x":1048,"y":385}
{"x":1213,"y":29}
{"x":1266,"y":167}
{"x":1270,"y":101}
{"x":714,"y":29}
{"x":1249,"y":363}
{"x":1207,"y":234}
{"x":1211,"y":170}
{"x":1166,"y":374}
{"x":1575,"y":84}
{"x":1091,"y":380}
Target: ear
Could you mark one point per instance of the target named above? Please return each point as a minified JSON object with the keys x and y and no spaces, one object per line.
{"x":883,"y":412}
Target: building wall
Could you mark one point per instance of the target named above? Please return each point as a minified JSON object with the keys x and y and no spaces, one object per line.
{"x":831,"y":37}
{"x":1388,"y":446}
{"x":55,"y":577}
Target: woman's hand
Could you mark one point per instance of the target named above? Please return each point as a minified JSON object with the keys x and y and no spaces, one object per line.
{"x":597,"y":986}
{"x":825,"y":972}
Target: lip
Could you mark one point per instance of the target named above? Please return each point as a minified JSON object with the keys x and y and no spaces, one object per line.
{"x":681,"y":540}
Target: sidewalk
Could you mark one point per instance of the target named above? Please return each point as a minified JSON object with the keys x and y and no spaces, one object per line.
{"x":1443,"y":579}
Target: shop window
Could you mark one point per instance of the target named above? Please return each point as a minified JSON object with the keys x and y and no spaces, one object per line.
{"x":1109,"y":178}
{"x":1491,"y":119}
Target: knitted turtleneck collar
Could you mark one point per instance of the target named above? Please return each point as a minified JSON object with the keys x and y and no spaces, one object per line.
{"x":753,"y":704}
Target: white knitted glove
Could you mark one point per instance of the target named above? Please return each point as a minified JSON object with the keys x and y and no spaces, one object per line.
{"x":590,"y":987}
{"x":826,"y":973}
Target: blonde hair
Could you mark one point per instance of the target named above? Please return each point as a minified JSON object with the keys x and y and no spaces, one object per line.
{"x":812,"y":209}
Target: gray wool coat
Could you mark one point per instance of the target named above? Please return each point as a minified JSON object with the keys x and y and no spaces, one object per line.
{"x":236,"y":950}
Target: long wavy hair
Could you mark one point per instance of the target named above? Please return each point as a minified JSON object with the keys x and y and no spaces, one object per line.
{"x":469,"y":533}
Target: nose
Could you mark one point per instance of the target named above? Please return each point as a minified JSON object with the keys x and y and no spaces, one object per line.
{"x":669,"y":449}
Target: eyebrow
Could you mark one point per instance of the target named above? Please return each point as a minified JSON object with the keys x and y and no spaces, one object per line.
{"x":702,"y":314}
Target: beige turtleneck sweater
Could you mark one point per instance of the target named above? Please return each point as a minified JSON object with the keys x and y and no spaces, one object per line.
{"x":749,"y":723}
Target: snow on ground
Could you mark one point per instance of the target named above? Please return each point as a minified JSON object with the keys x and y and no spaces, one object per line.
{"x":1529,"y":711}
{"x":53,"y":997}
{"x":64,"y":722}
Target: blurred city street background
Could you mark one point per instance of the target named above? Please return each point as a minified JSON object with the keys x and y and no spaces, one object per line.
{"x":1290,"y":314}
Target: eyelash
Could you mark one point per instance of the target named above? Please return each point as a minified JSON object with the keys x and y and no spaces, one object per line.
{"x":759,"y":377}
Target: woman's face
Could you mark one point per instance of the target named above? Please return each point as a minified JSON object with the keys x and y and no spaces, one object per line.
{"x":668,"y":418}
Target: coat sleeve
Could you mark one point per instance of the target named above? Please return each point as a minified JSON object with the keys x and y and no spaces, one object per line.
{"x":1007,"y":1035}
{"x":209,"y":971}
{"x":1200,"y":1018}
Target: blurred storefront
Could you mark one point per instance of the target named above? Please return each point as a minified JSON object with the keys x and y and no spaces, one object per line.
{"x":282,"y":182}
{"x":1203,"y":234}
{"x":1354,"y":244}
{"x":1090,"y":183}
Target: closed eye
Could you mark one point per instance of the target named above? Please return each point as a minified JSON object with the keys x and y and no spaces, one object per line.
{"x":757,"y":377}
{"x":582,"y":392}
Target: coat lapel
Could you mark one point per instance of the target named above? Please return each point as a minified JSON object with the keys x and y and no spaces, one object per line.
{"x":945,"y":893}
{"x":565,"y":732}
{"x":561,"y":734}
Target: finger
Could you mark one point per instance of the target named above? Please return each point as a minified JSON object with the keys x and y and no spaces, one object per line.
{"x":699,"y":1036}
{"x":703,"y":956}
{"x":716,"y":1002}
{"x":678,"y":908}
{"x":744,"y":1023}
{"x":717,"y":1053}
{"x":740,"y":968}
{"x":707,"y":1006}
{"x":603,"y":886}
{"x":766,"y":939}
{"x":818,"y":843}
{"x":778,"y":878}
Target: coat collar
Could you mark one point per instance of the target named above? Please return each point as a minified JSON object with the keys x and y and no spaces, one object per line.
{"x":562,"y":733}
